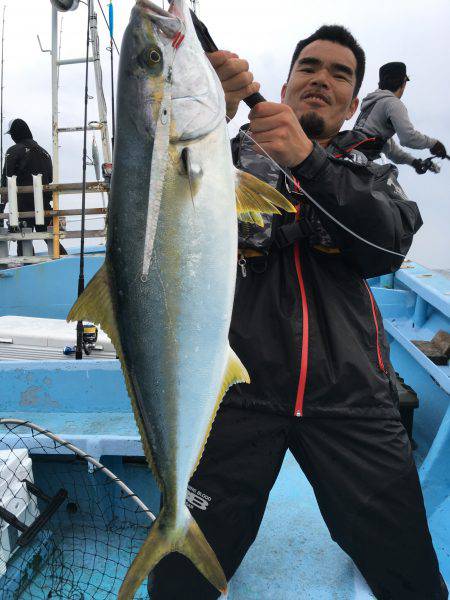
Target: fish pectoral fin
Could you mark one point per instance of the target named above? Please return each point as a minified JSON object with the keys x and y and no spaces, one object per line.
{"x":251,"y":217}
{"x":192,"y":169}
{"x":166,"y":537}
{"x":255,"y":197}
{"x":95,"y":304}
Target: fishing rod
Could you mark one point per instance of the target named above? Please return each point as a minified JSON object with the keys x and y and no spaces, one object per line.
{"x":107,"y":25}
{"x":111,"y":38}
{"x":1,"y":90}
{"x":79,"y":350}
{"x":209,"y":45}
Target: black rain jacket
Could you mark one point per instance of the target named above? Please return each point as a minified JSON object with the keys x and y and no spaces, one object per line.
{"x":25,"y":159}
{"x":305,"y":323}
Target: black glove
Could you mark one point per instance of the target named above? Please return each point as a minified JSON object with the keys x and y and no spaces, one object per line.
{"x":418,"y":166}
{"x":438,"y":150}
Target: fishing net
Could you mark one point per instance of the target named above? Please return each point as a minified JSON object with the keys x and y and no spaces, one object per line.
{"x":69,"y":528}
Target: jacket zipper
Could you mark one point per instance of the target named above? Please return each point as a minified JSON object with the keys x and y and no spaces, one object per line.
{"x":298,"y":410}
{"x":377,"y":334}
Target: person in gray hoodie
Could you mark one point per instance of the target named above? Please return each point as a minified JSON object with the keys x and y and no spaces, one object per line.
{"x":383,"y":114}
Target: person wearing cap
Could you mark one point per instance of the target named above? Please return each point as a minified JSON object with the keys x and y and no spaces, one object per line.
{"x":383,"y":114}
{"x":25,"y":159}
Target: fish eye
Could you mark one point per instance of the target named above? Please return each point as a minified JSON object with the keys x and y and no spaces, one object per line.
{"x":154,"y":56}
{"x":151,"y":57}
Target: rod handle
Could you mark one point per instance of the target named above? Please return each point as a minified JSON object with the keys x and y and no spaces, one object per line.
{"x":254,"y":99}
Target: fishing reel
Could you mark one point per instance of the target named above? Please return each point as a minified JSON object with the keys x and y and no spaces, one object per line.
{"x":90,"y":336}
{"x":65,"y":5}
{"x":428,"y":164}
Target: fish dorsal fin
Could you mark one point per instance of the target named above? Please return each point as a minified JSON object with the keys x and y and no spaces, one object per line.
{"x":96,"y":304}
{"x":255,"y":197}
{"x":235,"y":372}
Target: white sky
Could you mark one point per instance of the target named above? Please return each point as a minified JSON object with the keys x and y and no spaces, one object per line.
{"x":265,"y":32}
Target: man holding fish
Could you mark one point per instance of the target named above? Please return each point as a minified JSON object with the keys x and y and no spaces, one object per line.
{"x":308,"y":330}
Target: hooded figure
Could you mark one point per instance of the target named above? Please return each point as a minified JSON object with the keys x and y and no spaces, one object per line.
{"x":25,"y":159}
{"x":383,"y":115}
{"x":19,"y":131}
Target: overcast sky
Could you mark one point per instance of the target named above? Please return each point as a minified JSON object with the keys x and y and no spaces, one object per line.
{"x":265,"y":32}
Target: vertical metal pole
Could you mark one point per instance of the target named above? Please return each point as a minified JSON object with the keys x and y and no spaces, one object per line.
{"x":1,"y":91}
{"x":102,"y":110}
{"x":55,"y":128}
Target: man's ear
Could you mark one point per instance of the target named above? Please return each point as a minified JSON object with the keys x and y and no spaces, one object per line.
{"x":352,"y":108}
{"x":283,"y":92}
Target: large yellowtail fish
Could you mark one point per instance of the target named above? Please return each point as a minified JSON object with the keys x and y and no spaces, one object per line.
{"x":165,"y":292}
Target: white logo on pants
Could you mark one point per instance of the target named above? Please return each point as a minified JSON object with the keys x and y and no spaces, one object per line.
{"x":196,"y":498}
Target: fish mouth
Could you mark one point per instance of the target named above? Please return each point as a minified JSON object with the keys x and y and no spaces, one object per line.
{"x":153,"y":9}
{"x":169,"y":21}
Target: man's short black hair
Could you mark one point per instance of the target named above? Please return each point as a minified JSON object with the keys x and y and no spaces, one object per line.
{"x":338,"y":35}
{"x":391,"y":83}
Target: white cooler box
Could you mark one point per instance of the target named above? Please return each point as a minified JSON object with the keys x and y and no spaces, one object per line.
{"x":33,"y":338}
{"x":15,"y":468}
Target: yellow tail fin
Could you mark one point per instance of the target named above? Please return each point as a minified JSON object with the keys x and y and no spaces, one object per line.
{"x":165,"y":537}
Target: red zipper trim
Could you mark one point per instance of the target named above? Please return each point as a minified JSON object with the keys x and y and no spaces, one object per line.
{"x":298,"y":411}
{"x":375,"y":320}
{"x":372,"y":139}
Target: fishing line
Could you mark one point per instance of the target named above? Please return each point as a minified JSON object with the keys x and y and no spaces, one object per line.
{"x":111,"y":37}
{"x":107,"y":25}
{"x":311,"y":199}
{"x":79,"y":350}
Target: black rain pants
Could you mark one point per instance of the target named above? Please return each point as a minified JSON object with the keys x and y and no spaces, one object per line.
{"x":365,"y":482}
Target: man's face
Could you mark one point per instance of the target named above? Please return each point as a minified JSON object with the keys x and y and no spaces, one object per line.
{"x":320,"y":88}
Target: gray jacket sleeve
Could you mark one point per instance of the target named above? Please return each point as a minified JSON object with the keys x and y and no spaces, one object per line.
{"x":408,"y":136}
{"x":395,"y":154}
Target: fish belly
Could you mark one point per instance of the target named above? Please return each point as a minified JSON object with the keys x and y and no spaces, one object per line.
{"x":177,"y":323}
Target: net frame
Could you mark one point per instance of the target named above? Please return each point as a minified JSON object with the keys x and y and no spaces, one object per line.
{"x":121,"y":534}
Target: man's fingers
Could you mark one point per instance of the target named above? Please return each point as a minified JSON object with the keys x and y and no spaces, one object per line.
{"x":231,"y":68}
{"x":282,"y":119}
{"x":237,"y":82}
{"x":265,"y":137}
{"x":217,"y":59}
{"x":267,"y":109}
{"x":237,"y":96}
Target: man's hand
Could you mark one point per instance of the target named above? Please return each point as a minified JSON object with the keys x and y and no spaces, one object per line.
{"x":439,"y":150}
{"x":275,"y":128}
{"x":237,"y":80}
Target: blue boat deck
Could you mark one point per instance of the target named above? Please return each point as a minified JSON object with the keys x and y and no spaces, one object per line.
{"x":293,"y":555}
